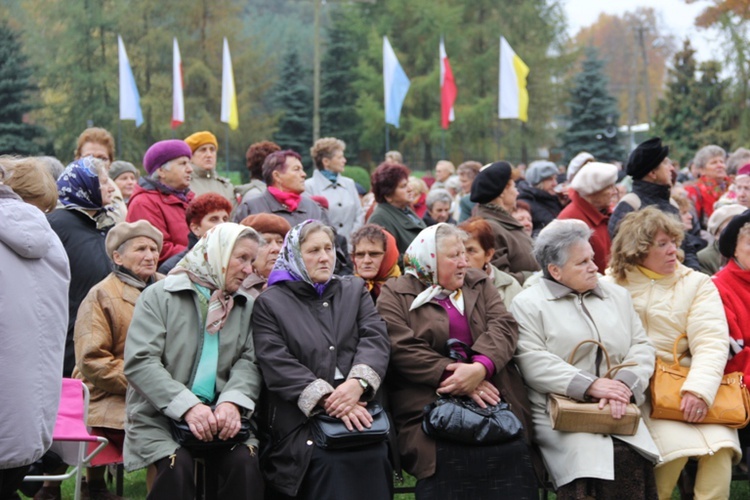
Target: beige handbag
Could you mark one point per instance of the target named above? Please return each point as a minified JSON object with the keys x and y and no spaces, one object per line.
{"x":569,"y":415}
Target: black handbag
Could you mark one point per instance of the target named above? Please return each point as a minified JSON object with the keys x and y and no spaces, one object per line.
{"x":462,"y":420}
{"x":183,"y":436}
{"x":330,"y":433}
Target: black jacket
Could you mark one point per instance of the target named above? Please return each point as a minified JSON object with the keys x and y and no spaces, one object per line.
{"x":545,"y":207}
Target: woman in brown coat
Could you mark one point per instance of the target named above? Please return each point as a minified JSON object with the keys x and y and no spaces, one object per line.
{"x":440,"y":298}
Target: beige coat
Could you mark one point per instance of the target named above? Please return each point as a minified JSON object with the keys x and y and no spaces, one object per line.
{"x":507,"y":286}
{"x":552,"y":320}
{"x":686,"y":302}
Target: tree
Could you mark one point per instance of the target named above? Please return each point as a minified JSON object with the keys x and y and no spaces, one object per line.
{"x":17,"y":136}
{"x":594,"y":114}
{"x":293,"y":96}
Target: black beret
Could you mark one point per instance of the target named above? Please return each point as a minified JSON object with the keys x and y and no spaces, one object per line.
{"x":490,"y":182}
{"x":646,"y":157}
{"x":728,"y":238}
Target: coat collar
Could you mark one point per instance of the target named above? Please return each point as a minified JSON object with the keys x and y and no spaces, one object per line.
{"x":555,"y":291}
{"x":641,"y":187}
{"x":410,"y":285}
{"x":587,"y":209}
{"x":399,"y":215}
{"x":276,"y":206}
{"x":181,"y":283}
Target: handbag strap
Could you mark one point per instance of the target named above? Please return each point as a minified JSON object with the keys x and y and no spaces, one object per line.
{"x":572,"y":356}
{"x":455,"y":354}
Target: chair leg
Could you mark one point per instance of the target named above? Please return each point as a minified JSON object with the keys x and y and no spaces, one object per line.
{"x":120,"y":479}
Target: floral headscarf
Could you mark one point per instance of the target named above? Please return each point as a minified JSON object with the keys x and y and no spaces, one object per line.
{"x":420,"y":260}
{"x":78,"y":186}
{"x":388,"y":268}
{"x":206,"y":264}
{"x":289,"y":264}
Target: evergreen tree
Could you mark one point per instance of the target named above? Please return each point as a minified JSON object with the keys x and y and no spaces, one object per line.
{"x":293,"y":98}
{"x":16,"y":136}
{"x":594,"y":114}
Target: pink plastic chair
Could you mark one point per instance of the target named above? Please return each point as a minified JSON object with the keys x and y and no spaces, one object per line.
{"x":71,"y":437}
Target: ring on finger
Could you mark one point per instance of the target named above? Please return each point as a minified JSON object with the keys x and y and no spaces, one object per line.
{"x":481,"y":392}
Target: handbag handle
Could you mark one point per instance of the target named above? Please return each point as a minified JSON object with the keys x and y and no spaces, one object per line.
{"x":675,"y":358}
{"x":455,"y":354}
{"x":611,"y":370}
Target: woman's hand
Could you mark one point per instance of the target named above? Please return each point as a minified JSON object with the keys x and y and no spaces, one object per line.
{"x":694,"y":408}
{"x":616,"y":408}
{"x":608,"y":389}
{"x":358,"y":417}
{"x":485,"y":393}
{"x":202,"y":422}
{"x":465,"y":379}
{"x":344,"y":398}
{"x":227,"y":420}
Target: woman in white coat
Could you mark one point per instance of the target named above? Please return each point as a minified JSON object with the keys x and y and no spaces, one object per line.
{"x":584,"y":464}
{"x":672,"y":300}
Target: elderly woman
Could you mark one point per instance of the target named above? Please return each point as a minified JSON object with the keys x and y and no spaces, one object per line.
{"x":522,"y":213}
{"x":541,"y":193}
{"x":390,"y":184}
{"x":285,"y":178}
{"x":581,"y":463}
{"x":494,"y":191}
{"x":189,"y":356}
{"x":710,"y":258}
{"x":345,"y":211}
{"x":254,"y":157}
{"x":593,"y":188}
{"x":125,"y":176}
{"x":673,"y":300}
{"x":467,"y":172}
{"x":441,"y":298}
{"x":419,"y":190}
{"x":375,"y":257}
{"x":273,"y":229}
{"x":329,"y":356}
{"x":100,"y":331}
{"x":480,"y":248}
{"x":438,"y":203}
{"x":712,"y":183}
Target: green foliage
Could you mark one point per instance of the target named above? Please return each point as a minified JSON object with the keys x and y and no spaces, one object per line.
{"x":17,"y":136}
{"x":593,"y":114}
{"x":358,"y":174}
{"x":293,"y":97}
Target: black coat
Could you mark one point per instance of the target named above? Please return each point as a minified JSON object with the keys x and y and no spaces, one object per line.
{"x":545,"y":207}
{"x":89,"y":264}
{"x":300,"y":338}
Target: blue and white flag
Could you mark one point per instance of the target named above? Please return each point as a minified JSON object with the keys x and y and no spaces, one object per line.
{"x":395,"y":82}
{"x":130,"y":101}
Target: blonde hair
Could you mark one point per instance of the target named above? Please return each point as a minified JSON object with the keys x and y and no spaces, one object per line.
{"x":325,"y":148}
{"x":30,"y":179}
{"x":636,"y":236}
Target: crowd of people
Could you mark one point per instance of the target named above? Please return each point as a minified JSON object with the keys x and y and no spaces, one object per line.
{"x":295,"y":333}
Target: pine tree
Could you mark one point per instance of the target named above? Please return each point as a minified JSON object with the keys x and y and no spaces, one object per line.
{"x":293,"y":97}
{"x":594,"y":114}
{"x":16,"y":136}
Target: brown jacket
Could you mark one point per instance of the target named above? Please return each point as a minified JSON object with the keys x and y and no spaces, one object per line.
{"x":101,"y":328}
{"x":513,"y":247}
{"x":419,"y":357}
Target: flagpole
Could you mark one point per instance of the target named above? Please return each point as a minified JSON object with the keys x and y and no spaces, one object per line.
{"x":227,"y":165}
{"x":442,"y":141}
{"x":119,"y":138}
{"x":387,"y":139}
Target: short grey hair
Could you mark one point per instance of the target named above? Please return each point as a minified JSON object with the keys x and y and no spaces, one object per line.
{"x":314,"y":227}
{"x":447,"y":231}
{"x":437,"y":195}
{"x":553,"y":244}
{"x":251,"y":234}
{"x":738,"y":159}
{"x":706,"y":153}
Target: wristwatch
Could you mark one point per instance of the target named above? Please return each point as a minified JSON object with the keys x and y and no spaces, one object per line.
{"x":363,"y":384}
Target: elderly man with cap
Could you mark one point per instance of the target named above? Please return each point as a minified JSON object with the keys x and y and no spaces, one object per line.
{"x":204,"y":147}
{"x":273,"y":228}
{"x":100,"y":331}
{"x":163,"y":196}
{"x":494,"y":192}
{"x":652,"y":172}
{"x":591,"y":194}
{"x":540,"y":193}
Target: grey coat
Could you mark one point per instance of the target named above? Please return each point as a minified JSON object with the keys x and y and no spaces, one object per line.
{"x":162,"y":351}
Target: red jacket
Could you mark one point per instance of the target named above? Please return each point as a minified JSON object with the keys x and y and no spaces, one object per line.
{"x":167,"y":214}
{"x":704,"y":193}
{"x":580,"y":209}
{"x":734,"y":287}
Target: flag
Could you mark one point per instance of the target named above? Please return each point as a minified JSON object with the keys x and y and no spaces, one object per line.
{"x":448,"y":89}
{"x":228,"y":95}
{"x":395,"y":82}
{"x":178,"y":102}
{"x":514,"y":98}
{"x":130,"y":101}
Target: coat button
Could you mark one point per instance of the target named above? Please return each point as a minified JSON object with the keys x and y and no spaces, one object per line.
{"x":325,"y":304}
{"x":331,"y":348}
{"x":309,"y":442}
{"x":340,"y":224}
{"x":340,"y":204}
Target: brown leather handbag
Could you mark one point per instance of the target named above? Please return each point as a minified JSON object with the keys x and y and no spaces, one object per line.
{"x":731,"y":405}
{"x":569,"y":415}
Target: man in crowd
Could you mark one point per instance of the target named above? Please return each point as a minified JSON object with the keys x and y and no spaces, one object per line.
{"x":204,"y":147}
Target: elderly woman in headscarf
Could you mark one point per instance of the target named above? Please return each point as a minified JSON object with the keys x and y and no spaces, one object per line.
{"x":441,"y":298}
{"x":189,"y":356}
{"x":322,"y":348}
{"x":100,"y":331}
{"x":273,"y":229}
{"x":84,"y":189}
{"x":375,"y":257}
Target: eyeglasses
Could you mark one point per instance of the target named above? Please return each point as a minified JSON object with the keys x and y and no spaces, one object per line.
{"x":373,"y":255}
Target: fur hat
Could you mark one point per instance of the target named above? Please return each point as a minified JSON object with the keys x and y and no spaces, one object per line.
{"x":578,"y":162}
{"x":490,"y":182}
{"x":540,"y":170}
{"x":164,"y":151}
{"x":125,"y":231}
{"x":121,"y":167}
{"x":267,"y":223}
{"x":594,"y":177}
{"x":646,"y":157}
{"x":198,"y":139}
{"x":728,"y":238}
